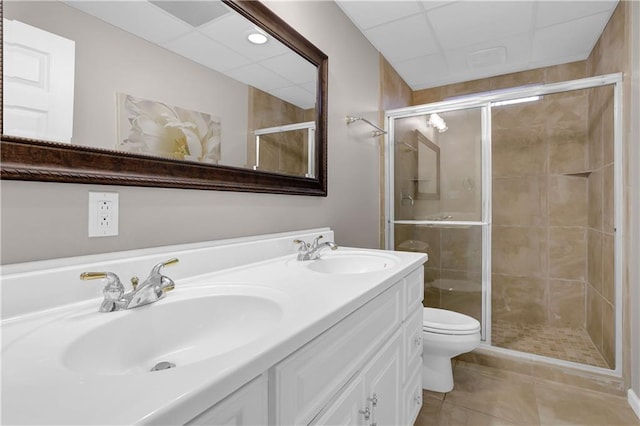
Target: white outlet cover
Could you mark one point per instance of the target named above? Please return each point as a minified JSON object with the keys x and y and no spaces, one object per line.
{"x":103,"y":214}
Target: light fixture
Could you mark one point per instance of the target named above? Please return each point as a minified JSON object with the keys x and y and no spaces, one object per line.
{"x":516,"y":101}
{"x":437,"y":122}
{"x":257,"y":38}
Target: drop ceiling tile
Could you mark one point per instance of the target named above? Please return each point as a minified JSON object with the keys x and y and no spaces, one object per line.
{"x":231,"y":30}
{"x":552,"y":42}
{"x":159,"y":26}
{"x":432,"y":4}
{"x":258,"y":76}
{"x":368,"y":14}
{"x":555,"y":12}
{"x":310,"y":87}
{"x":403,"y":39}
{"x":293,"y":67}
{"x":205,"y":51}
{"x":296,"y":96}
{"x":467,"y":22}
{"x":418,"y":72}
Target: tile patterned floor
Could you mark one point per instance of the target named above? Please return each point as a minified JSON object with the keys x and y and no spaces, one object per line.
{"x":569,"y":344}
{"x":485,"y":396}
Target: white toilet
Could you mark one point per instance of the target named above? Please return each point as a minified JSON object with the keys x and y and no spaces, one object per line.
{"x":445,"y":334}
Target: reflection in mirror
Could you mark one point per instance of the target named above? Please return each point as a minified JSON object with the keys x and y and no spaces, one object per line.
{"x":171,"y":79}
{"x":428,"y":179}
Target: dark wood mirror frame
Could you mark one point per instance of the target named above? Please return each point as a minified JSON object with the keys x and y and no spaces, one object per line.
{"x":36,"y":160}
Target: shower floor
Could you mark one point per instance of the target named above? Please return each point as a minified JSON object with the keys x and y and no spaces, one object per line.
{"x":569,"y":344}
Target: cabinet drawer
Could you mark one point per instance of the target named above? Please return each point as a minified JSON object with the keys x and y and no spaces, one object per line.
{"x":414,"y":290}
{"x":412,"y":397}
{"x":305,"y":381}
{"x":412,"y":331}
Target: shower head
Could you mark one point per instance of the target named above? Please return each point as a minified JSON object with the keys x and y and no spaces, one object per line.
{"x":351,"y":119}
{"x":378,"y":130}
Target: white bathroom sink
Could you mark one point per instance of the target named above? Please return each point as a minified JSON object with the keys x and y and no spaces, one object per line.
{"x":187,"y":326}
{"x":351,"y":262}
{"x":177,"y":333}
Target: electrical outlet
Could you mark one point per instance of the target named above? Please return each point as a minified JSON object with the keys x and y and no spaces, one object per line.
{"x":103,"y":214}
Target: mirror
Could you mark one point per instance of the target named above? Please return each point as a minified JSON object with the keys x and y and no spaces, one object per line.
{"x":428,"y":179}
{"x":151,"y":114}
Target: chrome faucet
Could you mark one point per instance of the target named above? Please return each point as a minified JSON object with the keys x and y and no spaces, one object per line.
{"x":151,"y":290}
{"x":311,"y":251}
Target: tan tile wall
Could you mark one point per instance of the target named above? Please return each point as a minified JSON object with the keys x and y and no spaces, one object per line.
{"x":394,"y":93}
{"x":608,"y":56}
{"x":540,"y":210}
{"x":453,"y":274}
{"x":600,"y":278}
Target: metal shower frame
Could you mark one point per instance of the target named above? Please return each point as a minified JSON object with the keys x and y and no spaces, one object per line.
{"x":484,"y":102}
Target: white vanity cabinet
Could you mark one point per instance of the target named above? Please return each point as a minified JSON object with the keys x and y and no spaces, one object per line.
{"x":258,"y":338}
{"x":246,"y":406}
{"x":358,"y":371}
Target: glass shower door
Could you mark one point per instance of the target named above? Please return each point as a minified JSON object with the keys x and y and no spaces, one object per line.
{"x":437,"y":169}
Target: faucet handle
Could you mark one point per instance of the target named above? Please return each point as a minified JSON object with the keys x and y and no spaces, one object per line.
{"x":170,"y":262}
{"x":167,"y":284}
{"x":303,"y":245}
{"x":114,"y":290}
{"x":85,"y":276}
{"x":316,"y":240}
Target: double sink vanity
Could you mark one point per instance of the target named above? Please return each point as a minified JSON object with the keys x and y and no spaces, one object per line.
{"x":250,"y":335}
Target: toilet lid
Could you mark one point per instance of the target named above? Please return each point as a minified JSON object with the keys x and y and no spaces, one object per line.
{"x":448,"y":322}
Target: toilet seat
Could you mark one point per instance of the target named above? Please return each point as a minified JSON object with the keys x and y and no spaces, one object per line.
{"x":442,"y":321}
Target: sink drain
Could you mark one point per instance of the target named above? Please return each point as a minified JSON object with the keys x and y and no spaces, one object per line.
{"x":163,"y":365}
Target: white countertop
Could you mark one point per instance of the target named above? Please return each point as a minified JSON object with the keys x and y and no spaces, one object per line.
{"x":38,"y":389}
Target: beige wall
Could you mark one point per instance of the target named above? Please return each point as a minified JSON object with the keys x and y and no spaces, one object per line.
{"x":49,"y":220}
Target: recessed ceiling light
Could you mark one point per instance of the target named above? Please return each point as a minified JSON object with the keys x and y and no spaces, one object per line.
{"x":257,"y":38}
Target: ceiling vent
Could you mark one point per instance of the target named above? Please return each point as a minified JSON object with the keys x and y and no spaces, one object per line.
{"x":194,"y":13}
{"x":486,"y":58}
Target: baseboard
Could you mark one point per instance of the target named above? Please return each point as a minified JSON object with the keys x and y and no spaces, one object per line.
{"x":634,"y":402}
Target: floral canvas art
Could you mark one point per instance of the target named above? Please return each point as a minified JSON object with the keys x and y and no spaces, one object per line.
{"x":155,"y":128}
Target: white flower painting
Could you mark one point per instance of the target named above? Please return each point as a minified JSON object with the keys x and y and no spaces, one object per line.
{"x":155,"y":128}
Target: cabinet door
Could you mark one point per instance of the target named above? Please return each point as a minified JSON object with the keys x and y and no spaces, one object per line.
{"x":305,"y":382}
{"x":246,"y":406}
{"x":349,"y":408}
{"x":383,"y":383}
{"x":412,"y":329}
{"x":413,"y":396}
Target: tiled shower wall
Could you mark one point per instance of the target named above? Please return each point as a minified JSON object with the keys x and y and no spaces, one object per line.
{"x":600,"y":277}
{"x":608,"y":56}
{"x":453,"y":275}
{"x":540,"y":200}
